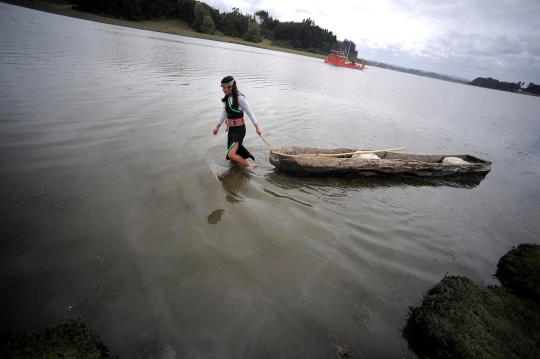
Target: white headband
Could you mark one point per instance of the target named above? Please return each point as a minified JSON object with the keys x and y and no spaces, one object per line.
{"x":227,"y":84}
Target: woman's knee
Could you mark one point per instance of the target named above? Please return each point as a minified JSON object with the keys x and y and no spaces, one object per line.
{"x":233,"y":150}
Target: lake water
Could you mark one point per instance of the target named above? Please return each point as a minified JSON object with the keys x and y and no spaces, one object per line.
{"x":112,"y":210}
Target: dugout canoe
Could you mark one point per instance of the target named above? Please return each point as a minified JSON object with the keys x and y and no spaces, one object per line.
{"x":308,"y":161}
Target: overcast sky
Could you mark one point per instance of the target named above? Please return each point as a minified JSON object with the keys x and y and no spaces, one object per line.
{"x":465,"y":38}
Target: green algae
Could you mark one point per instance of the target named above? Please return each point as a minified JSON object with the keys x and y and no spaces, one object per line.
{"x":459,"y":318}
{"x":72,"y":339}
{"x":519,"y":269}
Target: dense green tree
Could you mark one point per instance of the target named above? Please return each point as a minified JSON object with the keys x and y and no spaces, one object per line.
{"x":208,"y":26}
{"x":267,"y":24}
{"x":185,"y":10}
{"x":532,"y":88}
{"x":347,"y":46}
{"x":351,"y":48}
{"x":234,"y":23}
{"x":253,"y":33}
{"x":495,"y":84}
{"x":131,"y":9}
{"x":304,"y":35}
{"x":199,"y":16}
{"x":157,"y":9}
{"x":262,"y":17}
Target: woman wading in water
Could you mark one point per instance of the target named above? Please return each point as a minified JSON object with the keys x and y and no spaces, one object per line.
{"x":234,"y":106}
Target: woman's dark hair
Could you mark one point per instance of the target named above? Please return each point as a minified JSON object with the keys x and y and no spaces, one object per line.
{"x":235,"y":92}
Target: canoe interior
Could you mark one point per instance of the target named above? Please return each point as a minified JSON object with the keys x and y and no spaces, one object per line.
{"x":290,"y":150}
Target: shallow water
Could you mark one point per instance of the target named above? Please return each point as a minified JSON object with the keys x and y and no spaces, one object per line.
{"x":118,"y":206}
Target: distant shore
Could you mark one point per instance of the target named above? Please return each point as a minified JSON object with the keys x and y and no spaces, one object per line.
{"x":175,"y":27}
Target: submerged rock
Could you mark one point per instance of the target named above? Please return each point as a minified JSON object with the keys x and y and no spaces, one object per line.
{"x":459,"y":318}
{"x":342,"y":350}
{"x":69,"y":340}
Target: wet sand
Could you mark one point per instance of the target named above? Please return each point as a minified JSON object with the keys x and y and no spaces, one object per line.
{"x":176,"y":27}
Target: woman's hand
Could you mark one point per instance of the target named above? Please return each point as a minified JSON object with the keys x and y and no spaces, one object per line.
{"x":216,"y":129}
{"x":258,"y":130}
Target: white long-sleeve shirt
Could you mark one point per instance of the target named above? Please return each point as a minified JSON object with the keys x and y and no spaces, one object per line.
{"x":242,"y":105}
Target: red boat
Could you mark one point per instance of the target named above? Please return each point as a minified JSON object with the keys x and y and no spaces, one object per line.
{"x":338,"y":58}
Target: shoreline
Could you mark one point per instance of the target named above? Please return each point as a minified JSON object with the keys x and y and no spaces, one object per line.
{"x":174,"y":27}
{"x":177,"y":27}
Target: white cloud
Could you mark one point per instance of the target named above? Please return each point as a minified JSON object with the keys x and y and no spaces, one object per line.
{"x":463,"y":38}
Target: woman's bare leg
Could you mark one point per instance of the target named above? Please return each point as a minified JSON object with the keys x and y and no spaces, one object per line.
{"x":236,"y":157}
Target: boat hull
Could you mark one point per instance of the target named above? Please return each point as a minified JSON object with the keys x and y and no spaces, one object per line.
{"x":389,"y":164}
{"x":338,"y":58}
{"x":348,"y":65}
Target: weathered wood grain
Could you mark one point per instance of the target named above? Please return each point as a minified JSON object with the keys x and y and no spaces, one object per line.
{"x":389,"y":164}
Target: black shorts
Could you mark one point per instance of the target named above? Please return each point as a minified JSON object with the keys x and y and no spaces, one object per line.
{"x":236,"y":135}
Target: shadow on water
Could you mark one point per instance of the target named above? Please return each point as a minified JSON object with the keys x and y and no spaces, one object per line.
{"x":240,"y":184}
{"x":272,"y":193}
{"x":235,"y":181}
{"x":234,"y":178}
{"x":215,"y":216}
{"x":286,"y":181}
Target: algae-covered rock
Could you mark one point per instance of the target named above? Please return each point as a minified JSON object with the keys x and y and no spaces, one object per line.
{"x":69,"y":340}
{"x":342,"y":350}
{"x":519,"y":269}
{"x":459,"y":318}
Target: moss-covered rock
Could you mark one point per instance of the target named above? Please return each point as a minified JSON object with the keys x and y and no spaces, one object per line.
{"x":459,"y":318}
{"x":69,"y":340}
{"x":519,"y":269}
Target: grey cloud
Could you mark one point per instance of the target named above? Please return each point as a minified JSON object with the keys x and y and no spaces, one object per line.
{"x":500,"y":12}
{"x":477,"y":44}
{"x":465,"y":55}
{"x":487,"y":55}
{"x":499,"y":38}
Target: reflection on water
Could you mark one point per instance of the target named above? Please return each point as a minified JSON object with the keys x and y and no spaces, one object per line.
{"x":215,"y":216}
{"x":345,"y":183}
{"x":236,"y":181}
{"x":282,"y":196}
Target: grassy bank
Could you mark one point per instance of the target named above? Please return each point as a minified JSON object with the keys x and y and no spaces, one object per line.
{"x":175,"y":27}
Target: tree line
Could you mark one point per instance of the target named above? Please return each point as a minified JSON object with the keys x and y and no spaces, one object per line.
{"x":417,"y":72}
{"x":532,"y":88}
{"x":505,"y":86}
{"x":305,"y":35}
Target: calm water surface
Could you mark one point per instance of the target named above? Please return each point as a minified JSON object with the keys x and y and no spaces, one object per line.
{"x":112,"y":208}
